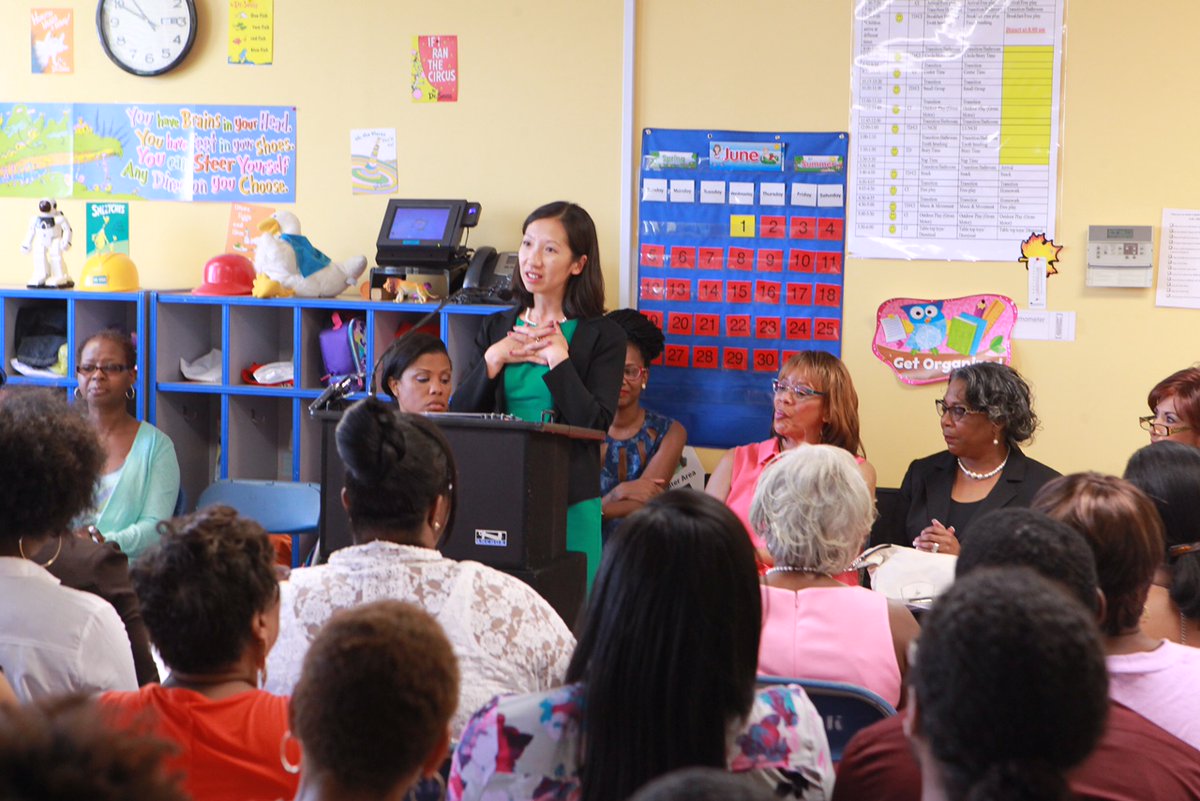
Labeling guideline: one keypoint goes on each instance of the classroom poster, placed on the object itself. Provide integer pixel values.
(435, 69)
(740, 254)
(107, 228)
(116, 151)
(52, 40)
(244, 220)
(922, 340)
(373, 168)
(251, 32)
(954, 127)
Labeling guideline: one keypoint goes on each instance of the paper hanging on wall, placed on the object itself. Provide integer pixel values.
(244, 220)
(251, 32)
(52, 40)
(373, 161)
(923, 340)
(435, 69)
(107, 228)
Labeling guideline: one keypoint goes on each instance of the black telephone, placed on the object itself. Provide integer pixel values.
(489, 277)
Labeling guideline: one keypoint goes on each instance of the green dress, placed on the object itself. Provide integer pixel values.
(527, 396)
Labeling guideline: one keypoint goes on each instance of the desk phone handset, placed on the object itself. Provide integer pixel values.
(489, 276)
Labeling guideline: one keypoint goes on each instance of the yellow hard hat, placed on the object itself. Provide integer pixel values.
(109, 272)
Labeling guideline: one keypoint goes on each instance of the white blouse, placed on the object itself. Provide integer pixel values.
(508, 639)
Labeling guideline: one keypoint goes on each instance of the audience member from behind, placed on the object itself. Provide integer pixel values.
(1149, 675)
(813, 510)
(1169, 472)
(212, 607)
(815, 402)
(139, 485)
(1135, 759)
(1008, 691)
(63, 749)
(985, 416)
(415, 372)
(702, 784)
(52, 639)
(372, 709)
(641, 452)
(399, 495)
(1175, 408)
(663, 678)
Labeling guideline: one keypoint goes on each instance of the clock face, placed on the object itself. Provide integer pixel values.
(146, 37)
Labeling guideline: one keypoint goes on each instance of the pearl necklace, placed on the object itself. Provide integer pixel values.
(790, 569)
(983, 476)
(529, 320)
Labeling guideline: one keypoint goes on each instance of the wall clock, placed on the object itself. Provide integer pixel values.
(146, 37)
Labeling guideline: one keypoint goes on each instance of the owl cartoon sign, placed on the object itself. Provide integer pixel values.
(923, 340)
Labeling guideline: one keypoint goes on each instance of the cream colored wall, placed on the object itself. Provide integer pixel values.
(538, 120)
(1129, 149)
(539, 92)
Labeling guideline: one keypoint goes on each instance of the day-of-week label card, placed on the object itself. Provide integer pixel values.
(804, 194)
(712, 192)
(654, 189)
(830, 196)
(741, 194)
(772, 194)
(683, 191)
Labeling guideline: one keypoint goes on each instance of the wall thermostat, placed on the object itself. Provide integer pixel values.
(1120, 256)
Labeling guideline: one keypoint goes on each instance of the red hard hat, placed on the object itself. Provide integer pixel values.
(227, 274)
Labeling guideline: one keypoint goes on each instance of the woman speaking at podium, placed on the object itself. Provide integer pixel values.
(554, 357)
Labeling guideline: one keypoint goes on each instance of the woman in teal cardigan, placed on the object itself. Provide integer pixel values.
(140, 482)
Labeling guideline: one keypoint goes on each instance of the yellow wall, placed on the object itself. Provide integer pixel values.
(539, 119)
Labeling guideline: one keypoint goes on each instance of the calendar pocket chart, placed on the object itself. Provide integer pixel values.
(741, 249)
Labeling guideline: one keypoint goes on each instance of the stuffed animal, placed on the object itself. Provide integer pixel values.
(406, 291)
(287, 263)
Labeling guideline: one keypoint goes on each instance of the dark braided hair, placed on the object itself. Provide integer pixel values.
(397, 466)
(640, 332)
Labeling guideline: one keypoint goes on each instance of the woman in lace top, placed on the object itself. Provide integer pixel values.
(399, 495)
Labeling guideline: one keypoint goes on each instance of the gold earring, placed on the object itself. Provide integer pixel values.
(289, 766)
(48, 562)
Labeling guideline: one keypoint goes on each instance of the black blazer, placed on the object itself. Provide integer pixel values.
(585, 389)
(925, 492)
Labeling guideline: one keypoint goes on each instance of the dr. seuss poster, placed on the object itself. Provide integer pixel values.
(118, 151)
(251, 32)
(923, 340)
(435, 69)
(107, 228)
(52, 40)
(244, 220)
(373, 161)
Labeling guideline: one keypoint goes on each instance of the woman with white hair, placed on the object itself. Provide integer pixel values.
(814, 511)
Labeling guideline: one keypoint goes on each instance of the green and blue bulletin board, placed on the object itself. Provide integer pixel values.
(741, 248)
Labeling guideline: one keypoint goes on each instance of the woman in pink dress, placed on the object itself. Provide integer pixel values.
(813, 511)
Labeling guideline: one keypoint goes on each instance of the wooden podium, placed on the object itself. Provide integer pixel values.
(512, 501)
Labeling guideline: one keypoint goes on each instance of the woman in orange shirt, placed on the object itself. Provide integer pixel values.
(210, 598)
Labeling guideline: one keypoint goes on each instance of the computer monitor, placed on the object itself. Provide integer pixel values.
(424, 233)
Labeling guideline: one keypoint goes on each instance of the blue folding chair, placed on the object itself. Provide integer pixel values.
(281, 507)
(845, 708)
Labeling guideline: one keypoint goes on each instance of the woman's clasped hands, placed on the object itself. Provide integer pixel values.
(937, 538)
(537, 344)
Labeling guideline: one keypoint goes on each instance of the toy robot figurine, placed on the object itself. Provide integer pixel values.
(49, 235)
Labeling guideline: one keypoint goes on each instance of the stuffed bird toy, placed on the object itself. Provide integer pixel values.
(287, 264)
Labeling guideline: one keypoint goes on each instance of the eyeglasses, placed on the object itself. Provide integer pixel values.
(108, 369)
(634, 373)
(799, 391)
(1161, 429)
(957, 413)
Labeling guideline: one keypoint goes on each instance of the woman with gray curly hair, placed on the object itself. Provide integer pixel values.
(986, 415)
(813, 509)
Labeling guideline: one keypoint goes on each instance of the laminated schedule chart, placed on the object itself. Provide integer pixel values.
(1179, 259)
(954, 127)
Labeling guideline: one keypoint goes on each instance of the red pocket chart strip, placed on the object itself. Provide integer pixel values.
(741, 249)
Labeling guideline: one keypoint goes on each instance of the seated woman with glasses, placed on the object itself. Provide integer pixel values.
(642, 449)
(139, 485)
(985, 414)
(1175, 402)
(815, 402)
